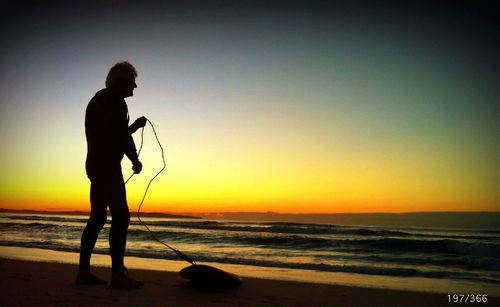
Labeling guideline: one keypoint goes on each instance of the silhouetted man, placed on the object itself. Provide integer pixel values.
(109, 138)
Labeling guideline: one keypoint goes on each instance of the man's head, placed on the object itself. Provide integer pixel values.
(121, 79)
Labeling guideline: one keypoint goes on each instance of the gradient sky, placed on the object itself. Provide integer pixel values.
(286, 107)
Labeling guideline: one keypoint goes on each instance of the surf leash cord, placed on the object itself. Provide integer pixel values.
(181, 255)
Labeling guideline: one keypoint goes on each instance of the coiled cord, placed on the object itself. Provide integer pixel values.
(181, 255)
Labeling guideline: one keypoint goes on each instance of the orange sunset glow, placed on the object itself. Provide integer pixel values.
(324, 116)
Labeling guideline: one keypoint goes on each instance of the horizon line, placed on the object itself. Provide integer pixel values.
(244, 212)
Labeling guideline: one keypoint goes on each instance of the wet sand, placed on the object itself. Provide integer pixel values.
(48, 283)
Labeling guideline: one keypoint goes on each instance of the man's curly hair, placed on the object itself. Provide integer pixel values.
(120, 71)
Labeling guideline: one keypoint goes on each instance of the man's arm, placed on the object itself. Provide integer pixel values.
(128, 141)
(130, 150)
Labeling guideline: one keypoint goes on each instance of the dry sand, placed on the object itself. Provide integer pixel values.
(43, 283)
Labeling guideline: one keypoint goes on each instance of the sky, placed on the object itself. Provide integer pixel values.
(293, 107)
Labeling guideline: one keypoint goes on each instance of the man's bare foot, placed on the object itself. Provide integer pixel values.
(87, 278)
(120, 280)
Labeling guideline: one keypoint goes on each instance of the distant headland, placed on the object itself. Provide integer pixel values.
(77, 212)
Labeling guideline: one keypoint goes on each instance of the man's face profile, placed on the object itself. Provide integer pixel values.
(127, 86)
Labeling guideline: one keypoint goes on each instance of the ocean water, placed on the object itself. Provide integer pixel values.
(433, 259)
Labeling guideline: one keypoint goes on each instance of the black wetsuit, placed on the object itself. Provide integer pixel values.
(108, 138)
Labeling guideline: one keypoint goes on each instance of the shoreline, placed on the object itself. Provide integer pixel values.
(49, 283)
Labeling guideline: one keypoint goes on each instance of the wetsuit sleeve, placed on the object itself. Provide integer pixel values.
(129, 145)
(130, 150)
(132, 128)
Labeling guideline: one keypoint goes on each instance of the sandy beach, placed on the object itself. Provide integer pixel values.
(46, 283)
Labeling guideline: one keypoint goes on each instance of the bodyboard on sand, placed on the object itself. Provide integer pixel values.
(209, 276)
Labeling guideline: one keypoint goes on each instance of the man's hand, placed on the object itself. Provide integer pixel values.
(140, 122)
(137, 168)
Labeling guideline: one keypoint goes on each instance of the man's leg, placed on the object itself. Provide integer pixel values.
(95, 223)
(118, 235)
(119, 224)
